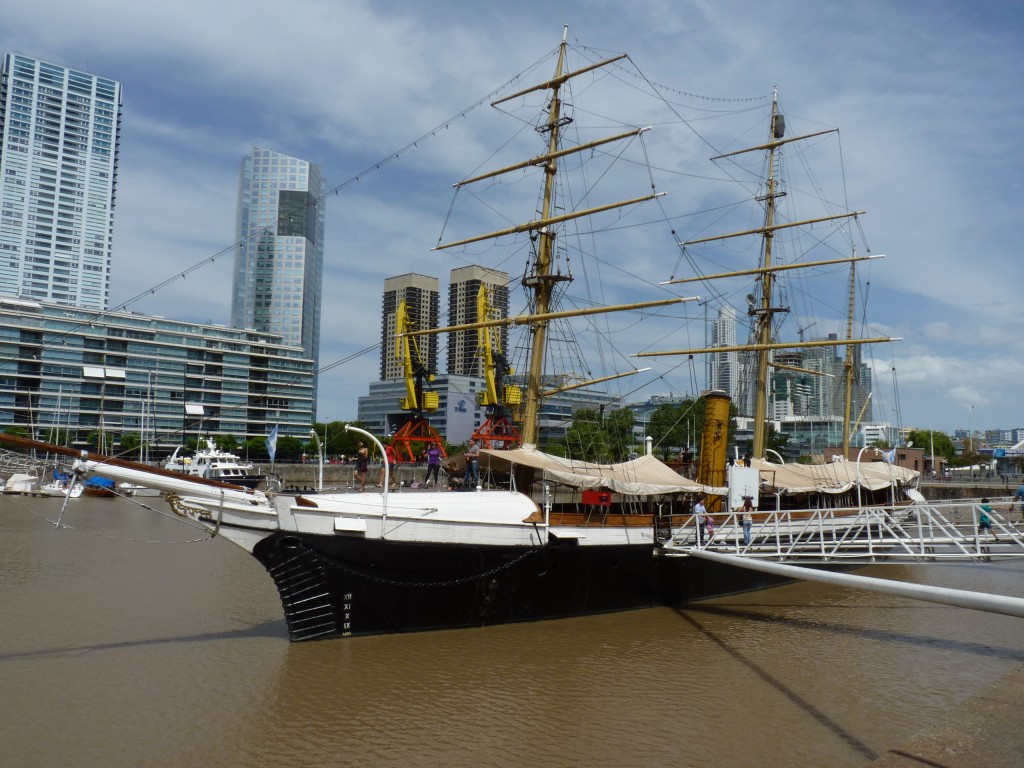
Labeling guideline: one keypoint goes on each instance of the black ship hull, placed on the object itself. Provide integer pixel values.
(341, 586)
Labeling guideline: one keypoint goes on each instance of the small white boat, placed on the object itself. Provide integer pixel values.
(62, 488)
(214, 464)
(22, 483)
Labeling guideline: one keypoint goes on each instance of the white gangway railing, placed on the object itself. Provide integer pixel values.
(946, 532)
(943, 531)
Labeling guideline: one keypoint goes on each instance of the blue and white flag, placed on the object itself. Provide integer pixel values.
(272, 443)
(890, 456)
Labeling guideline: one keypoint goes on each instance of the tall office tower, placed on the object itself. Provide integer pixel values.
(59, 133)
(723, 368)
(826, 390)
(422, 298)
(279, 261)
(463, 290)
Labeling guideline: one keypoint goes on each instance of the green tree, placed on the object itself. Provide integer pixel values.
(926, 438)
(288, 448)
(668, 427)
(226, 443)
(586, 439)
(256, 449)
(130, 442)
(618, 427)
(57, 436)
(93, 440)
(336, 439)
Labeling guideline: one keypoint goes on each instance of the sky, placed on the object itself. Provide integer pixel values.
(928, 99)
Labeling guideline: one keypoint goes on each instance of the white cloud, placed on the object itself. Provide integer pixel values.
(928, 103)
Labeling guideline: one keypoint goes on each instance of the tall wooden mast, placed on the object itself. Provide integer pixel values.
(541, 281)
(764, 314)
(848, 363)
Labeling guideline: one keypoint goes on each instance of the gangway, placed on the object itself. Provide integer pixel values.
(922, 533)
(929, 532)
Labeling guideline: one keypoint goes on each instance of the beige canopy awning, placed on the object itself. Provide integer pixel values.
(643, 476)
(837, 477)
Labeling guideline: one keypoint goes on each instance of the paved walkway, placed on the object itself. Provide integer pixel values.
(986, 730)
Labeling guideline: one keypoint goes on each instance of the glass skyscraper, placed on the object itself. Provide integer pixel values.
(59, 133)
(278, 272)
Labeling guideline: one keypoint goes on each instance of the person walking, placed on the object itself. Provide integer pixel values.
(702, 519)
(392, 464)
(362, 464)
(747, 518)
(433, 464)
(472, 476)
(985, 521)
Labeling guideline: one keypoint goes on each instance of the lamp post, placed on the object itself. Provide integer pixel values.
(320, 456)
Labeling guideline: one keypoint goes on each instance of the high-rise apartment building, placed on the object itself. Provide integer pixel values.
(723, 368)
(279, 258)
(463, 289)
(422, 298)
(59, 133)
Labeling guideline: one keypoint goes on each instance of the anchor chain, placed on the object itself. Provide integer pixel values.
(182, 509)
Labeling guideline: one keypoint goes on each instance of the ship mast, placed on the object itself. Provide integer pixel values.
(541, 281)
(764, 314)
(848, 364)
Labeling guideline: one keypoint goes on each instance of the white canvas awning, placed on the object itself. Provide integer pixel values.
(837, 477)
(643, 476)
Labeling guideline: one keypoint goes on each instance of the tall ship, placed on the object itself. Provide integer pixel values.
(540, 536)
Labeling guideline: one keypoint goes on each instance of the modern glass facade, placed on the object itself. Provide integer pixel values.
(278, 273)
(59, 135)
(164, 380)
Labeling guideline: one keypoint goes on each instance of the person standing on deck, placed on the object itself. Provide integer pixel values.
(747, 516)
(362, 464)
(472, 464)
(433, 463)
(702, 519)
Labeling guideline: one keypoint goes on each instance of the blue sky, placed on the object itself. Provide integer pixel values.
(928, 98)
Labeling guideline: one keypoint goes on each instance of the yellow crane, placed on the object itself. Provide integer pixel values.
(416, 435)
(501, 401)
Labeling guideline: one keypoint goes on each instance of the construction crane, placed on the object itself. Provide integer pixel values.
(500, 400)
(416, 434)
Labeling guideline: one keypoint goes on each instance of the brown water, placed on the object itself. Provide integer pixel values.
(122, 646)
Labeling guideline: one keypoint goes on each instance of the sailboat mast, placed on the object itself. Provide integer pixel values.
(541, 281)
(764, 315)
(848, 363)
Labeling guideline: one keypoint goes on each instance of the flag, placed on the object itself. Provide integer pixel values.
(272, 443)
(890, 456)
